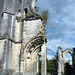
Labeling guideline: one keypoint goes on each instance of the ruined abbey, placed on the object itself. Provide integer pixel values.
(22, 37)
(61, 60)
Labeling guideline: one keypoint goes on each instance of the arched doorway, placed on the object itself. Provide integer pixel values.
(30, 56)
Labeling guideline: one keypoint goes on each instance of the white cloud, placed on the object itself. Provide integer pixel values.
(53, 44)
(50, 57)
(62, 21)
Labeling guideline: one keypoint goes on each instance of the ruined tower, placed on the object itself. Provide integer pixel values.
(22, 36)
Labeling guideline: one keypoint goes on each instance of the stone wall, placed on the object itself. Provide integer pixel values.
(31, 29)
(1, 10)
(20, 38)
(61, 59)
(11, 6)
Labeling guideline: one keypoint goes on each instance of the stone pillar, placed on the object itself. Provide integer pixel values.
(37, 63)
(63, 62)
(73, 60)
(43, 60)
(4, 24)
(59, 61)
(15, 59)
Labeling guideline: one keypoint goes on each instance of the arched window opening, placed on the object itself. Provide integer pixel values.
(69, 58)
(19, 11)
(39, 71)
(40, 52)
(68, 65)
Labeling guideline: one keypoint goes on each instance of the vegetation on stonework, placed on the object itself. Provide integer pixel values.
(18, 18)
(63, 74)
(29, 14)
(45, 15)
(37, 74)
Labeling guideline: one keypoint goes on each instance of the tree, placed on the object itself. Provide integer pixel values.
(51, 65)
(68, 69)
(45, 15)
(39, 67)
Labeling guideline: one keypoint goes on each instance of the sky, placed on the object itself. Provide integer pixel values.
(60, 28)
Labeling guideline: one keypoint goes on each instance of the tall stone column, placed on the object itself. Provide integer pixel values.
(73, 60)
(37, 63)
(59, 61)
(63, 62)
(43, 60)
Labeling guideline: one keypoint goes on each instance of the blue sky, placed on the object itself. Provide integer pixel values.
(60, 29)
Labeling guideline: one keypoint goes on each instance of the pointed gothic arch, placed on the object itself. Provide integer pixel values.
(61, 59)
(68, 51)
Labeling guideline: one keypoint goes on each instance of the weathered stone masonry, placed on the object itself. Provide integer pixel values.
(22, 37)
(61, 59)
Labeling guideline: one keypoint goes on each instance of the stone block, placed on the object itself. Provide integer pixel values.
(29, 74)
(32, 28)
(2, 43)
(8, 72)
(18, 74)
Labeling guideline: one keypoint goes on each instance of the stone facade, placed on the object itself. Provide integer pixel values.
(22, 37)
(61, 59)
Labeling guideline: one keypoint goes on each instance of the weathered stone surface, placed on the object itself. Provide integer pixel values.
(20, 38)
(15, 56)
(18, 31)
(11, 6)
(1, 10)
(31, 29)
(1, 48)
(18, 74)
(29, 74)
(43, 60)
(61, 59)
(8, 72)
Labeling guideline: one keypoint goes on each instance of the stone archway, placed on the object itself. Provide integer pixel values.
(29, 56)
(68, 51)
(65, 52)
(61, 59)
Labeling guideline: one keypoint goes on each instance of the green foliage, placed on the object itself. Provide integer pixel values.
(37, 74)
(29, 14)
(51, 65)
(18, 18)
(39, 67)
(45, 15)
(63, 74)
